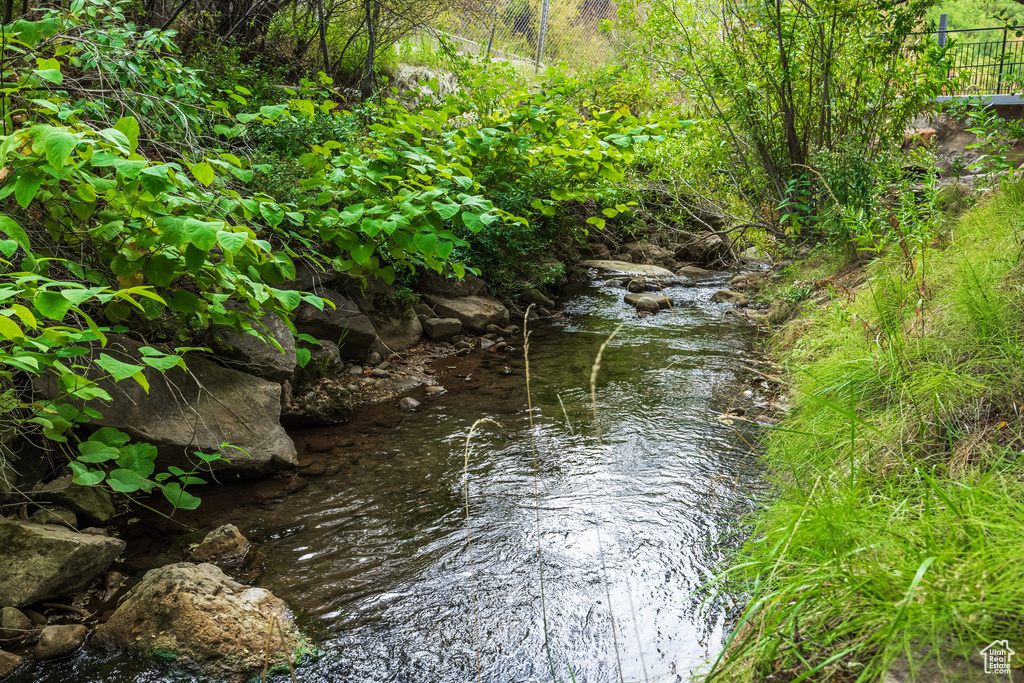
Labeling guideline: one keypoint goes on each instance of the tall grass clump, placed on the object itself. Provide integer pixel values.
(894, 534)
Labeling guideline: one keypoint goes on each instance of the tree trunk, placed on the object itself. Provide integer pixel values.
(8, 11)
(323, 35)
(370, 71)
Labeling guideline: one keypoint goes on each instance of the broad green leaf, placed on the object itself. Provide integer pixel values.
(202, 234)
(59, 145)
(289, 298)
(51, 75)
(110, 436)
(362, 253)
(118, 370)
(83, 476)
(163, 363)
(10, 329)
(446, 211)
(124, 481)
(130, 127)
(9, 227)
(96, 451)
(273, 112)
(426, 242)
(51, 304)
(231, 242)
(273, 213)
(302, 356)
(203, 172)
(26, 187)
(179, 498)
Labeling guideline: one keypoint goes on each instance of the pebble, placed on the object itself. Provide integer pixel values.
(457, 339)
(374, 358)
(352, 388)
(435, 390)
(544, 312)
(368, 381)
(355, 370)
(380, 374)
(463, 346)
(512, 330)
(8, 663)
(384, 366)
(463, 352)
(491, 336)
(499, 347)
(429, 371)
(408, 403)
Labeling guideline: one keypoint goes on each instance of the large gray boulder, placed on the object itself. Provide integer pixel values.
(249, 353)
(400, 332)
(439, 329)
(196, 410)
(88, 501)
(624, 268)
(729, 297)
(343, 324)
(436, 284)
(474, 312)
(201, 617)
(38, 561)
(648, 252)
(704, 247)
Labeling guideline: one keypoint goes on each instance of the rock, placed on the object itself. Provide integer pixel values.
(93, 531)
(727, 297)
(544, 312)
(536, 297)
(8, 663)
(696, 273)
(400, 332)
(44, 561)
(14, 623)
(203, 617)
(352, 388)
(636, 285)
(463, 345)
(596, 251)
(456, 339)
(450, 287)
(660, 300)
(749, 282)
(248, 353)
(499, 347)
(199, 410)
(59, 640)
(325, 402)
(705, 247)
(324, 361)
(439, 329)
(756, 257)
(380, 374)
(373, 358)
(55, 516)
(474, 312)
(345, 324)
(408, 403)
(463, 352)
(434, 390)
(512, 330)
(648, 252)
(625, 268)
(495, 330)
(423, 311)
(355, 370)
(90, 502)
(225, 547)
(648, 304)
(491, 336)
(37, 619)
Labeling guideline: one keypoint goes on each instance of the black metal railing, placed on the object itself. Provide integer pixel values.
(986, 61)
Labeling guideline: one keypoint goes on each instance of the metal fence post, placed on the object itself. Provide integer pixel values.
(1002, 57)
(543, 34)
(943, 23)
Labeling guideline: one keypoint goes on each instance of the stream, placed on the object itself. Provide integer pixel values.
(373, 557)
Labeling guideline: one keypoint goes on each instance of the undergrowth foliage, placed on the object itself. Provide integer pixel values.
(895, 534)
(135, 199)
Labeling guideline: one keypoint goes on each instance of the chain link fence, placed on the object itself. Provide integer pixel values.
(538, 33)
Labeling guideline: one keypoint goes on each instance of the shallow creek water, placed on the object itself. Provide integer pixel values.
(373, 554)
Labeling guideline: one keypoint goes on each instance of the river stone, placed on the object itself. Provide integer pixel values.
(401, 332)
(208, 620)
(408, 403)
(225, 547)
(636, 285)
(439, 329)
(660, 300)
(248, 353)
(648, 252)
(43, 561)
(59, 640)
(199, 410)
(14, 623)
(727, 297)
(434, 283)
(647, 304)
(750, 282)
(345, 324)
(8, 663)
(55, 516)
(705, 247)
(696, 273)
(474, 312)
(323, 403)
(90, 502)
(536, 297)
(624, 268)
